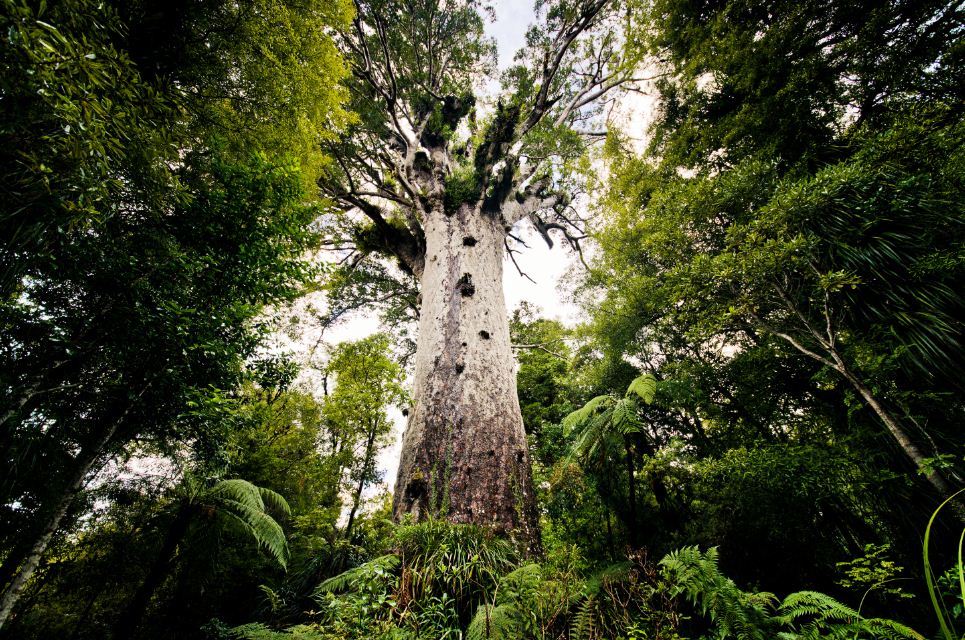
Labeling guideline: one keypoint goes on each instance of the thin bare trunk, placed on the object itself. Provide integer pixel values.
(835, 361)
(83, 465)
(130, 620)
(901, 437)
(357, 498)
(632, 495)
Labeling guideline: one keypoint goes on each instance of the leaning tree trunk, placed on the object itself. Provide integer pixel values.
(22, 573)
(464, 452)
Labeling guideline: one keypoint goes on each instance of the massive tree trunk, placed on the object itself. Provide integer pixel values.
(408, 163)
(464, 452)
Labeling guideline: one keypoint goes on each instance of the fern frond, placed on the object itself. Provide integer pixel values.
(519, 583)
(494, 623)
(579, 418)
(625, 417)
(824, 617)
(594, 583)
(274, 501)
(347, 579)
(731, 610)
(585, 621)
(266, 532)
(812, 603)
(644, 387)
(237, 490)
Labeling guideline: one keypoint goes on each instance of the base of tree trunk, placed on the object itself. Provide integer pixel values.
(465, 456)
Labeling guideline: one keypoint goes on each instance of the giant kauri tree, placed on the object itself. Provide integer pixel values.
(432, 180)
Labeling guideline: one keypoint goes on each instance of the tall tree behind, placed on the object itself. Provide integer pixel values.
(814, 210)
(367, 384)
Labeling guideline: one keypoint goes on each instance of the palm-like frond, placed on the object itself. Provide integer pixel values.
(244, 504)
(260, 526)
(274, 502)
(644, 387)
(581, 416)
(624, 418)
(347, 580)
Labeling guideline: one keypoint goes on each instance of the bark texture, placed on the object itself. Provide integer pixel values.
(464, 451)
(442, 204)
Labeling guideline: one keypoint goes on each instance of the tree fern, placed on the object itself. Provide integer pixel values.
(644, 387)
(244, 504)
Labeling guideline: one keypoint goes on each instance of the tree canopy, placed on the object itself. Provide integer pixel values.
(752, 431)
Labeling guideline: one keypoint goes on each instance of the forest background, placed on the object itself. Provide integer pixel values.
(764, 397)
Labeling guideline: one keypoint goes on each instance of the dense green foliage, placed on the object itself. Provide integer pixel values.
(765, 397)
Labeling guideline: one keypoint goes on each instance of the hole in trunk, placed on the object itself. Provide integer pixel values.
(465, 344)
(466, 286)
(484, 335)
(519, 456)
(416, 490)
(469, 241)
(460, 368)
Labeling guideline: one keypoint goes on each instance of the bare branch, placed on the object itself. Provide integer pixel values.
(540, 347)
(510, 252)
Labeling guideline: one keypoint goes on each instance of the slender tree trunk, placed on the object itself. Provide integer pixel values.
(609, 532)
(901, 437)
(464, 452)
(82, 620)
(632, 496)
(82, 466)
(357, 498)
(130, 620)
(834, 360)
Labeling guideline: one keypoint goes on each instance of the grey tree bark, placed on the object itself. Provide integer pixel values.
(464, 452)
(443, 203)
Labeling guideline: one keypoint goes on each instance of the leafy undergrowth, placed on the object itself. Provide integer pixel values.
(454, 582)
